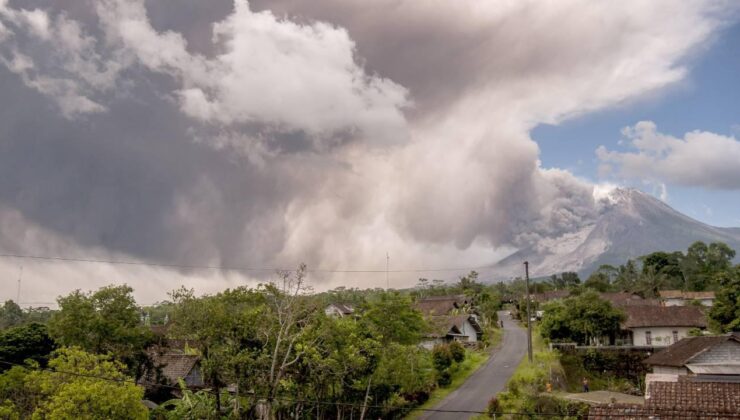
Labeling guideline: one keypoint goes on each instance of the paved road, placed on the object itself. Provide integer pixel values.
(489, 379)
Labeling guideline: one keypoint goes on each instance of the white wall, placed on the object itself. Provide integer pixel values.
(668, 370)
(662, 336)
(469, 332)
(683, 302)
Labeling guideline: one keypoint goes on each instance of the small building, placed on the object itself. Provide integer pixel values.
(170, 367)
(446, 328)
(443, 305)
(624, 299)
(339, 310)
(660, 326)
(707, 355)
(681, 298)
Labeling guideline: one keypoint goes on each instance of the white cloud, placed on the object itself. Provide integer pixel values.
(268, 71)
(699, 159)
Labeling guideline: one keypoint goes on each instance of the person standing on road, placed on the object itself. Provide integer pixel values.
(585, 384)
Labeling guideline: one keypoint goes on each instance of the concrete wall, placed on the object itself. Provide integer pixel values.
(661, 336)
(668, 370)
(684, 302)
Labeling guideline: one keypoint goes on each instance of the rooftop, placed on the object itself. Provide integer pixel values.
(680, 353)
(664, 316)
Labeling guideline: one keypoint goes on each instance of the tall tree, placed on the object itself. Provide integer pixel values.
(10, 314)
(26, 342)
(725, 313)
(104, 321)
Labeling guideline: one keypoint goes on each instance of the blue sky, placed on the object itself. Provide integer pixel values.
(708, 99)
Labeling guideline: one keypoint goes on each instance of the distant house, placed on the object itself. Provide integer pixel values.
(170, 367)
(446, 328)
(715, 355)
(550, 295)
(660, 326)
(442, 305)
(678, 397)
(339, 310)
(681, 298)
(624, 299)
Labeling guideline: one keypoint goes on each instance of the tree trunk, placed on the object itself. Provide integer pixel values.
(364, 402)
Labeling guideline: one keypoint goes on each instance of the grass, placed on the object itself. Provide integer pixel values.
(473, 361)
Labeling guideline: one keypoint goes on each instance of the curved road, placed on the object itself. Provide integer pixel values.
(490, 379)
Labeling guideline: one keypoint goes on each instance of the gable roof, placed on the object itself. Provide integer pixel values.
(622, 299)
(681, 352)
(442, 326)
(175, 366)
(440, 305)
(663, 316)
(343, 308)
(680, 294)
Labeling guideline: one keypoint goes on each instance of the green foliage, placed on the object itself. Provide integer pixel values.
(72, 388)
(392, 318)
(580, 319)
(442, 357)
(193, 405)
(457, 351)
(725, 313)
(10, 314)
(20, 343)
(104, 321)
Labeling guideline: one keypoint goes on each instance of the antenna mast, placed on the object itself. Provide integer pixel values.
(387, 266)
(18, 295)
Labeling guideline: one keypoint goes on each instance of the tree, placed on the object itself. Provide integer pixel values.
(581, 318)
(627, 277)
(598, 282)
(77, 385)
(74, 396)
(27, 342)
(725, 313)
(106, 321)
(10, 314)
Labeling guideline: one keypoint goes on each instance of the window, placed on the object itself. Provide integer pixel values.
(648, 338)
(675, 336)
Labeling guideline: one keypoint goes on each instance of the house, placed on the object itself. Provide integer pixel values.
(170, 367)
(624, 299)
(707, 355)
(660, 326)
(442, 305)
(678, 397)
(446, 328)
(681, 298)
(550, 295)
(339, 310)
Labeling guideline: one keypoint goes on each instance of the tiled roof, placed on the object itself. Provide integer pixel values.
(442, 326)
(664, 316)
(680, 294)
(636, 412)
(622, 299)
(683, 351)
(687, 395)
(175, 366)
(440, 305)
(683, 399)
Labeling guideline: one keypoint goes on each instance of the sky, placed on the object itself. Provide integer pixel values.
(349, 135)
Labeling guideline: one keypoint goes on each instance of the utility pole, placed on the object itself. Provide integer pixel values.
(18, 295)
(387, 266)
(529, 316)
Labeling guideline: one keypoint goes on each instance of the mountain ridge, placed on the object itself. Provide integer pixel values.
(630, 224)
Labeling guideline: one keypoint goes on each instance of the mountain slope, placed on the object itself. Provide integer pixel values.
(631, 224)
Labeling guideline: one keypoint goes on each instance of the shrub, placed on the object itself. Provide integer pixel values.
(442, 357)
(457, 351)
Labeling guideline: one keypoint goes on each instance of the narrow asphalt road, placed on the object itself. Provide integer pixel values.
(490, 379)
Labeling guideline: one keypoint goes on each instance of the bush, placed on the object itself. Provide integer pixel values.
(444, 377)
(457, 351)
(442, 357)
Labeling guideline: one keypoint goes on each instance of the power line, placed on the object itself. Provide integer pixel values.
(227, 268)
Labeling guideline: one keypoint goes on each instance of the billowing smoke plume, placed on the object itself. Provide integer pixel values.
(333, 132)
